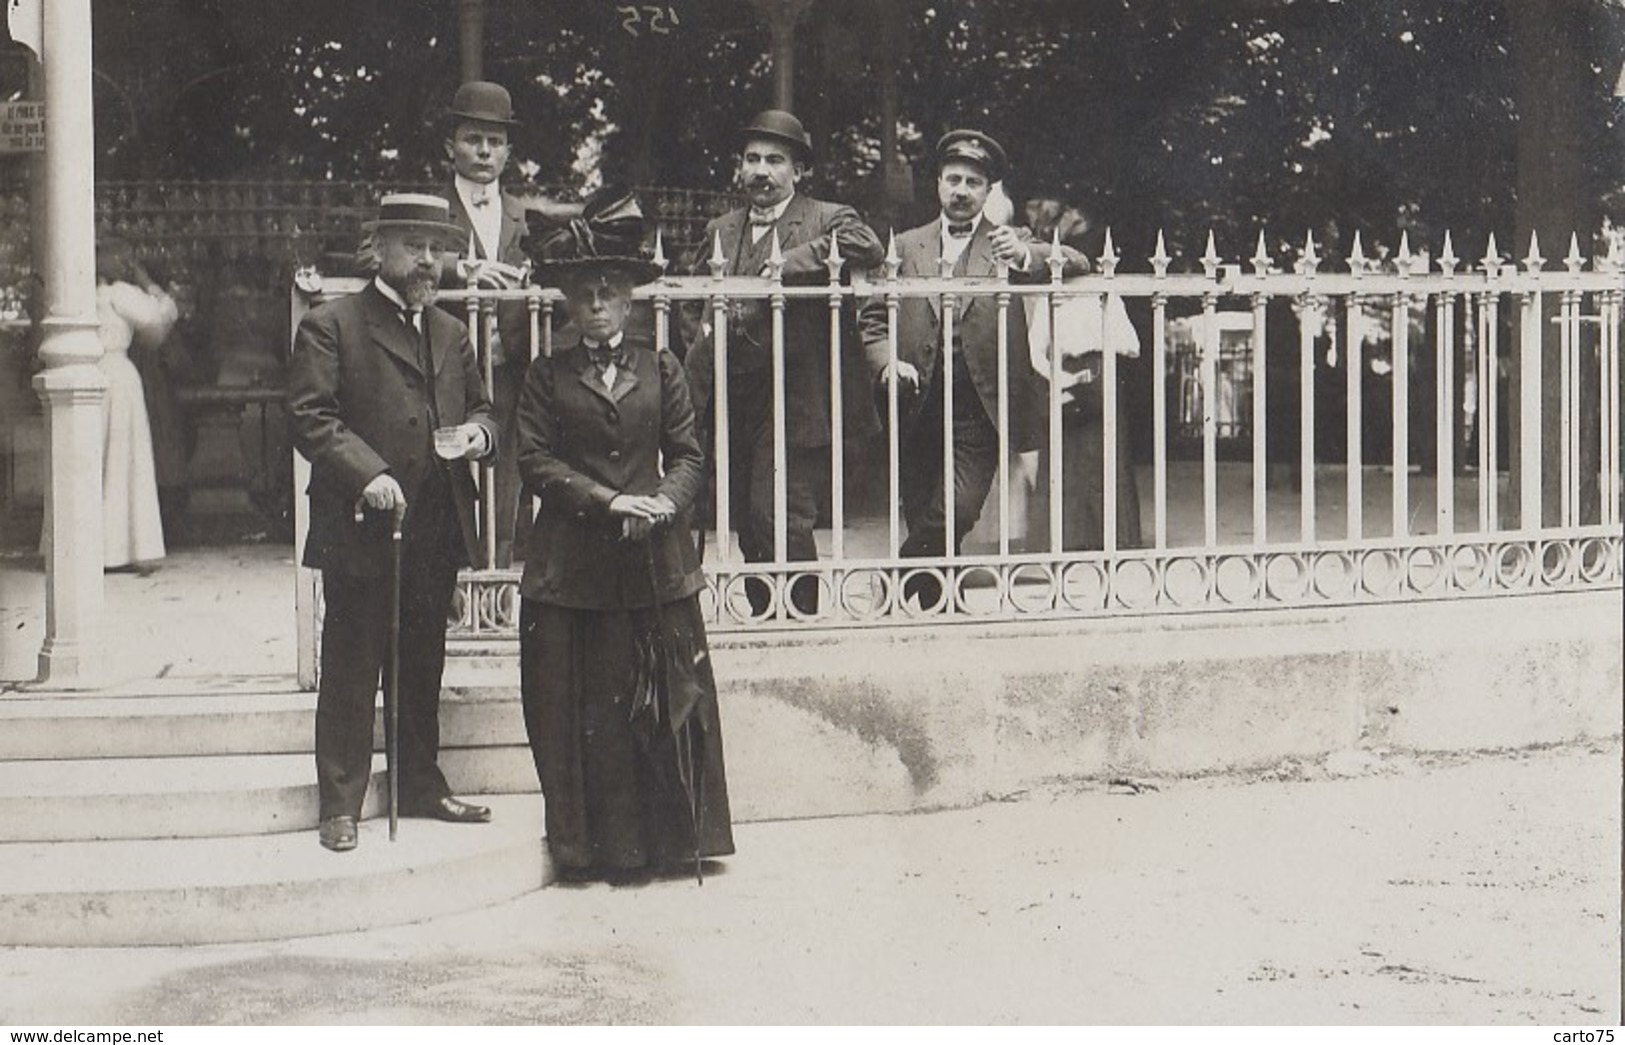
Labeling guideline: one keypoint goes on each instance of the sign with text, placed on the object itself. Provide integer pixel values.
(22, 127)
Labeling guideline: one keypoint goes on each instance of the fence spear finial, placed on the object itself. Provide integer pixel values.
(1309, 261)
(1056, 260)
(1533, 261)
(833, 261)
(1261, 256)
(718, 261)
(1403, 258)
(1210, 258)
(1447, 257)
(1108, 255)
(1492, 258)
(1357, 258)
(893, 260)
(659, 256)
(1160, 258)
(1574, 262)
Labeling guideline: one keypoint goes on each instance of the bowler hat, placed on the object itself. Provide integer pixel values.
(484, 101)
(779, 126)
(973, 147)
(606, 239)
(411, 210)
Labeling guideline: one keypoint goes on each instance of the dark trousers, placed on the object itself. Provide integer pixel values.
(975, 462)
(355, 636)
(750, 489)
(1083, 470)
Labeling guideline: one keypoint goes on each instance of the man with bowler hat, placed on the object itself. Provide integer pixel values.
(478, 127)
(968, 165)
(388, 405)
(775, 156)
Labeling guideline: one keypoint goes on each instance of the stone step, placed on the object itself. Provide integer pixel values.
(170, 724)
(200, 796)
(220, 890)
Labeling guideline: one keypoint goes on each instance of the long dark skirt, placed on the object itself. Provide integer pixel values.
(611, 804)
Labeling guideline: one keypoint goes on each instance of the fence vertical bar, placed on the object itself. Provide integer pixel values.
(837, 416)
(1444, 336)
(781, 461)
(1209, 379)
(1159, 398)
(1608, 349)
(1354, 423)
(718, 264)
(1260, 303)
(950, 304)
(1491, 351)
(1309, 314)
(1401, 337)
(894, 524)
(1002, 373)
(1108, 405)
(1530, 345)
(1057, 534)
(481, 323)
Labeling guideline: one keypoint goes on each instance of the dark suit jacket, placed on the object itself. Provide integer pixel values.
(919, 329)
(805, 231)
(513, 318)
(359, 407)
(579, 446)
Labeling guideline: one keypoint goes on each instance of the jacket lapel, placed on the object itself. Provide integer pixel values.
(977, 260)
(729, 228)
(513, 227)
(394, 336)
(626, 377)
(460, 217)
(923, 256)
(791, 221)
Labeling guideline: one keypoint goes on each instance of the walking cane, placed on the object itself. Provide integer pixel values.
(392, 671)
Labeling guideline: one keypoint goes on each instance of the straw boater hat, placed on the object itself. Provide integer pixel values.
(778, 125)
(484, 101)
(973, 147)
(606, 240)
(411, 210)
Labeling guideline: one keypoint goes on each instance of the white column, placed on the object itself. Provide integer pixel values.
(71, 386)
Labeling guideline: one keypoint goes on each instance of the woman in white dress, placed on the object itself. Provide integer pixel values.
(130, 308)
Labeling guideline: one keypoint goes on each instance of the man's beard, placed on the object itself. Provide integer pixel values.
(417, 288)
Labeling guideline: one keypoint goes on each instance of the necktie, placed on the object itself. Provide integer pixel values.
(960, 231)
(413, 318)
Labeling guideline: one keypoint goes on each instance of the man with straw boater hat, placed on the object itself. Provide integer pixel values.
(964, 240)
(775, 157)
(388, 405)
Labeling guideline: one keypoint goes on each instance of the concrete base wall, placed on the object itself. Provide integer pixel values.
(865, 722)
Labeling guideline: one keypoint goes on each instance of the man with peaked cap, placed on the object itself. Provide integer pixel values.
(968, 164)
(775, 155)
(388, 405)
(478, 128)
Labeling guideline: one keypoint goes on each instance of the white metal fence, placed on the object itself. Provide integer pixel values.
(1217, 535)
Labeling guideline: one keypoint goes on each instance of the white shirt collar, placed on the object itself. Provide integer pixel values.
(613, 342)
(778, 209)
(391, 293)
(486, 220)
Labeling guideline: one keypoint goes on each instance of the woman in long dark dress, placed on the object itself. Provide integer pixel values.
(619, 700)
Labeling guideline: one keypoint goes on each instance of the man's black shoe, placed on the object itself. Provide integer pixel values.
(338, 833)
(449, 809)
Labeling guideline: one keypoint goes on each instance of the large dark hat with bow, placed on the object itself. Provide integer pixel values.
(607, 238)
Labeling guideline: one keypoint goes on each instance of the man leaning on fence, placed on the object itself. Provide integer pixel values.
(962, 239)
(775, 155)
(388, 405)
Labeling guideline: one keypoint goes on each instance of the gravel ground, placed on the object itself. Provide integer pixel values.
(1366, 888)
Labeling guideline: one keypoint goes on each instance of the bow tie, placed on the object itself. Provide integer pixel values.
(962, 230)
(480, 199)
(603, 355)
(762, 218)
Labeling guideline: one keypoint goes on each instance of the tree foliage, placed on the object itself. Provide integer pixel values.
(1281, 115)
